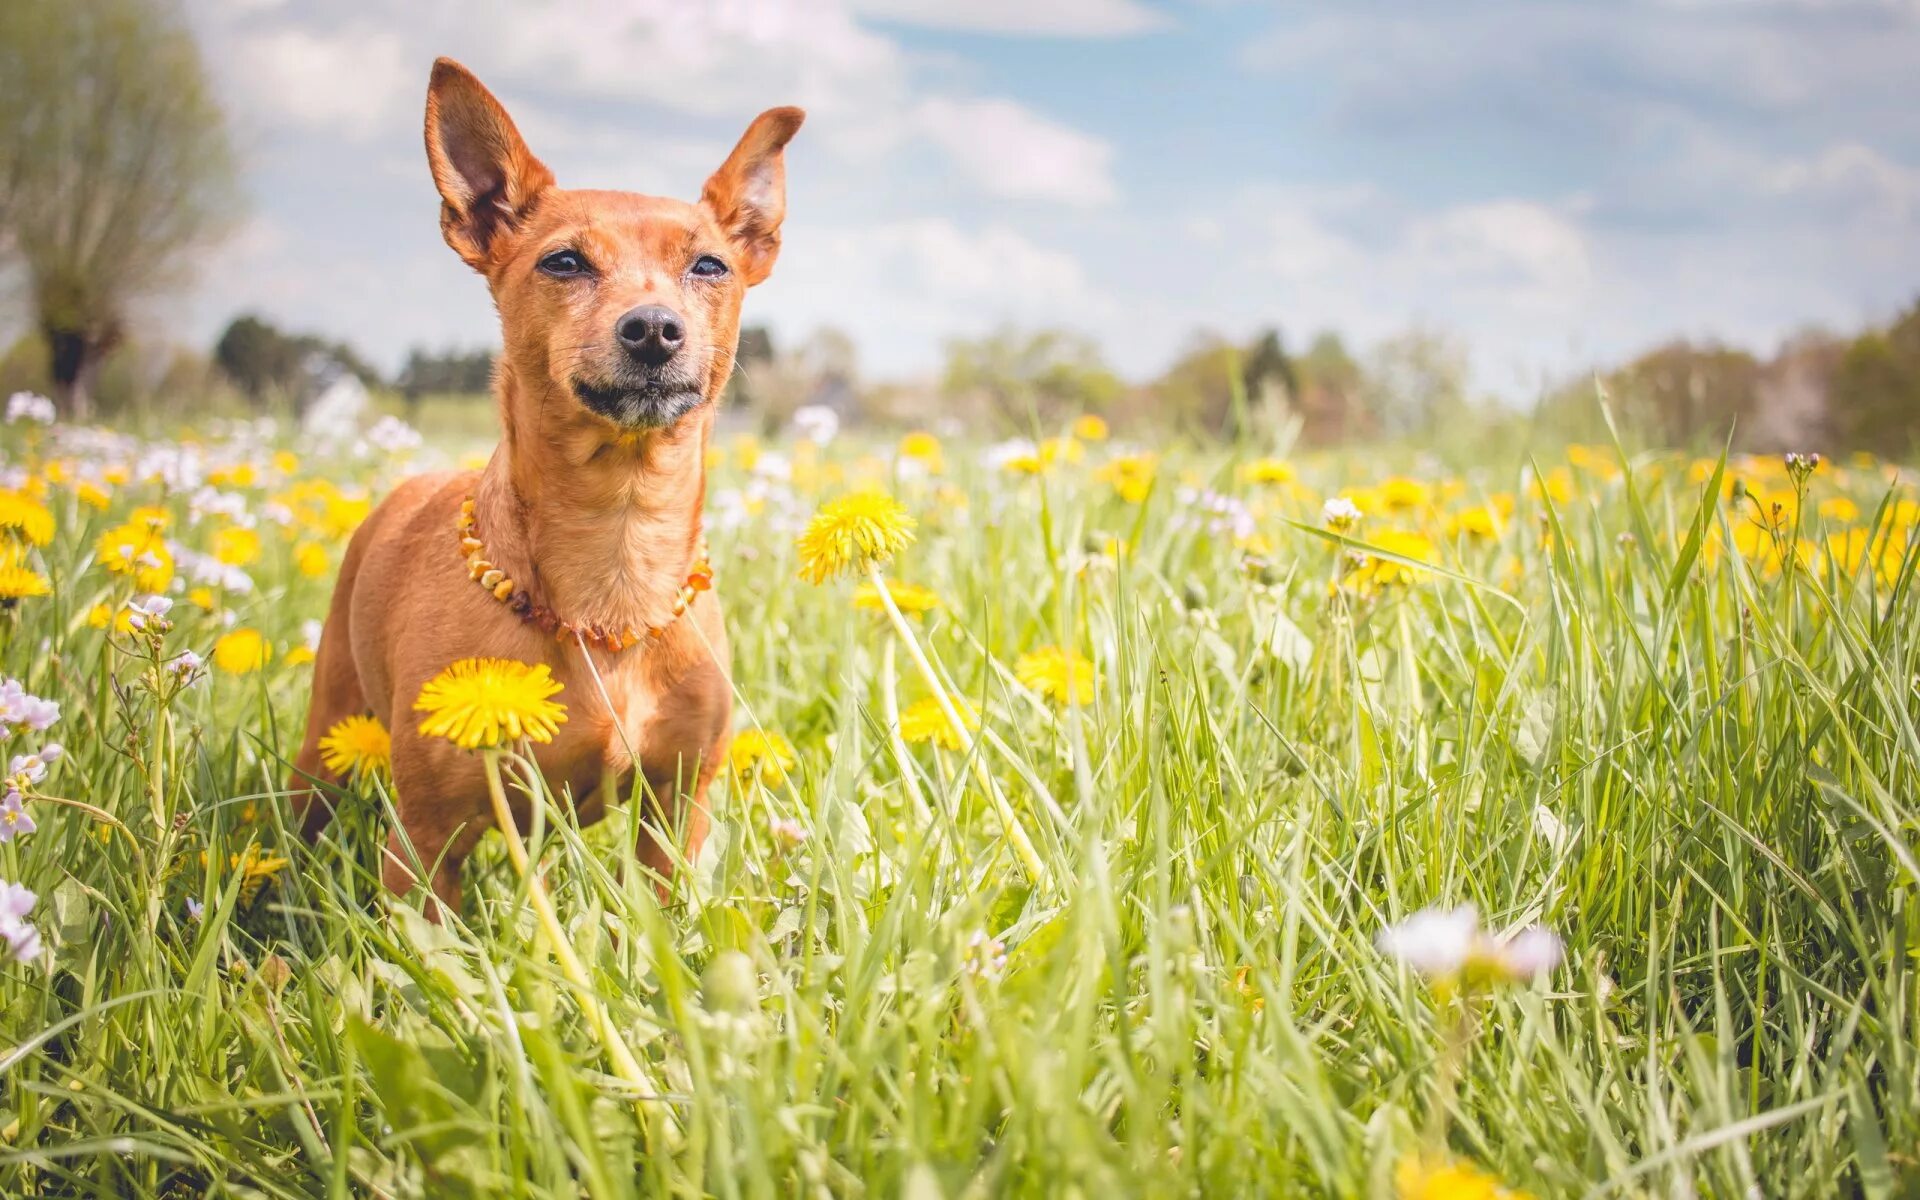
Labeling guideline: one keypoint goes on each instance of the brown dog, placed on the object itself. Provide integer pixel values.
(619, 316)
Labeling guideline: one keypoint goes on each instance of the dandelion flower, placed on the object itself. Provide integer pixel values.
(866, 526)
(1269, 471)
(1130, 475)
(1090, 428)
(241, 652)
(236, 546)
(138, 548)
(923, 721)
(1061, 676)
(910, 598)
(359, 745)
(19, 583)
(478, 703)
(762, 755)
(1378, 572)
(25, 515)
(1418, 1178)
(257, 869)
(311, 559)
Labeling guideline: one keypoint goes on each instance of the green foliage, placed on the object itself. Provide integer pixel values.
(1876, 391)
(115, 168)
(1612, 711)
(1016, 376)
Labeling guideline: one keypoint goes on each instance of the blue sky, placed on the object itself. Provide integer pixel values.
(1555, 184)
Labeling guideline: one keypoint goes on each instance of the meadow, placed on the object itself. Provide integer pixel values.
(1174, 909)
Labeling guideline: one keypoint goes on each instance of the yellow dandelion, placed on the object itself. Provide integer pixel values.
(1061, 676)
(18, 583)
(1477, 522)
(92, 495)
(1839, 509)
(922, 447)
(481, 702)
(286, 462)
(203, 597)
(236, 546)
(1418, 1178)
(1401, 494)
(300, 656)
(1268, 470)
(761, 755)
(358, 746)
(311, 559)
(30, 518)
(1090, 428)
(848, 533)
(242, 651)
(911, 599)
(257, 869)
(1130, 475)
(923, 721)
(1378, 572)
(138, 548)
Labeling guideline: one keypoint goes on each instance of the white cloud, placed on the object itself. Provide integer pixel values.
(902, 288)
(1061, 18)
(354, 82)
(1009, 150)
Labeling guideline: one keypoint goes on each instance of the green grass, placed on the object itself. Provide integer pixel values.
(1700, 770)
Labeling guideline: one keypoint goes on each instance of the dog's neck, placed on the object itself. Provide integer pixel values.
(601, 528)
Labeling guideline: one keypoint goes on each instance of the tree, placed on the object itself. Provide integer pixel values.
(1875, 402)
(262, 360)
(1416, 383)
(1329, 393)
(1049, 373)
(115, 167)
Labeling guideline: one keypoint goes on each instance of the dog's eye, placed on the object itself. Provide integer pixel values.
(708, 267)
(564, 264)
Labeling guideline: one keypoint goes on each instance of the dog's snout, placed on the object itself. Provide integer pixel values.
(652, 333)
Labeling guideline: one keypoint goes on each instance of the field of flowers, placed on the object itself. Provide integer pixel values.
(1200, 824)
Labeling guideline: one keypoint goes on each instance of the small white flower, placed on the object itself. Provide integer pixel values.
(31, 406)
(188, 666)
(1340, 513)
(986, 957)
(817, 423)
(17, 934)
(788, 833)
(145, 610)
(394, 436)
(1445, 944)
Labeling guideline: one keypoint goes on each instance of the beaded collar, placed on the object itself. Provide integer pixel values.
(507, 592)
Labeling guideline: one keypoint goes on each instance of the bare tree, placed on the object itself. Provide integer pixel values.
(115, 166)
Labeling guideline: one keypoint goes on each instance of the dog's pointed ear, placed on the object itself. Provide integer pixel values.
(748, 194)
(487, 177)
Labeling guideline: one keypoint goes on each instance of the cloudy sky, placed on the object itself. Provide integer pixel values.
(1557, 183)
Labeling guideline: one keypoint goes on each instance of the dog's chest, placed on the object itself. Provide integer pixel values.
(629, 715)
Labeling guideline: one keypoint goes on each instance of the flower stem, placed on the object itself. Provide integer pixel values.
(625, 1065)
(1015, 832)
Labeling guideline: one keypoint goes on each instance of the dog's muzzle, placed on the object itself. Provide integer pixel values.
(651, 405)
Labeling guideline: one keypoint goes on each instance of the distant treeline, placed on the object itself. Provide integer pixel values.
(1819, 391)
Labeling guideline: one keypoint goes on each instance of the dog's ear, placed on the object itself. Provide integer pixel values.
(487, 177)
(748, 194)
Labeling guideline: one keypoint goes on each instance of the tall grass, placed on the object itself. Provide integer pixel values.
(1617, 712)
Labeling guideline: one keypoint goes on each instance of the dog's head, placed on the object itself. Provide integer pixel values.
(629, 304)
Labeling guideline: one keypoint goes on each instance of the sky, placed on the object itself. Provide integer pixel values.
(1555, 184)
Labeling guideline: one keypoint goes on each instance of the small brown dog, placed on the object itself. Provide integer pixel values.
(579, 544)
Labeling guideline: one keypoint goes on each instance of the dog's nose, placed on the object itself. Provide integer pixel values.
(652, 333)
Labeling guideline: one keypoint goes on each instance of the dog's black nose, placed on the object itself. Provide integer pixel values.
(652, 333)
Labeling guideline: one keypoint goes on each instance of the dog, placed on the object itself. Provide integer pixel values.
(579, 544)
